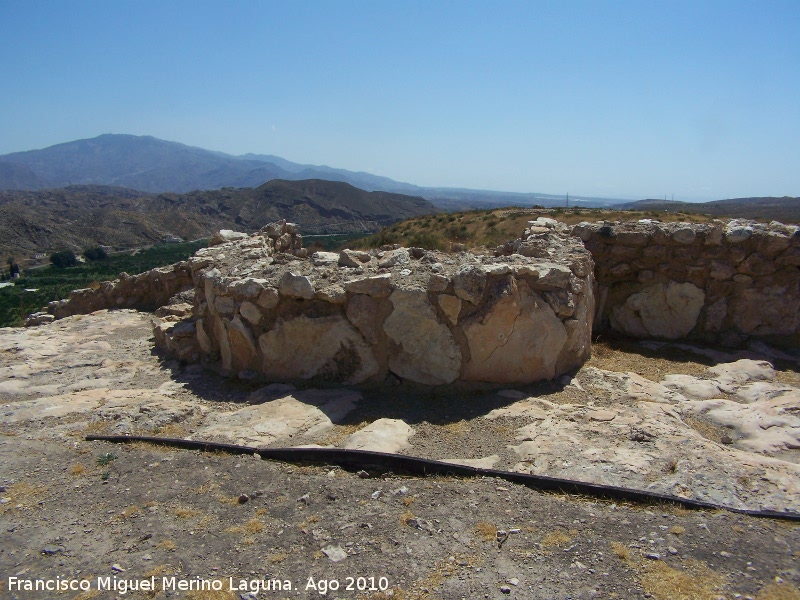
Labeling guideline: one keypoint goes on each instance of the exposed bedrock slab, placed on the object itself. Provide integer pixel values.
(383, 435)
(307, 413)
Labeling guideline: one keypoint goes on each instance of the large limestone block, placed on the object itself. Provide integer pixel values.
(469, 283)
(426, 351)
(308, 413)
(378, 286)
(327, 347)
(363, 312)
(518, 339)
(666, 311)
(244, 354)
(296, 286)
(767, 311)
(384, 435)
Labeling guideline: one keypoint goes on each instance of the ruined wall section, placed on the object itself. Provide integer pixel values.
(720, 282)
(145, 291)
(153, 289)
(360, 317)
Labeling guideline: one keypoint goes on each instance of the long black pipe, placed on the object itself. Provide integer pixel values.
(381, 462)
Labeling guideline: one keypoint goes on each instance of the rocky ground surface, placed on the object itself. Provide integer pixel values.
(684, 421)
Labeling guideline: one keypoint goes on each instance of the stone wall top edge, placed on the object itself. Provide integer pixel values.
(655, 226)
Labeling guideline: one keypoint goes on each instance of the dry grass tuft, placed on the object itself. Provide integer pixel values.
(187, 513)
(166, 545)
(24, 493)
(97, 428)
(211, 595)
(557, 538)
(252, 527)
(621, 551)
(160, 570)
(406, 517)
(779, 591)
(707, 429)
(77, 470)
(697, 582)
(340, 432)
(458, 428)
(677, 530)
(277, 558)
(487, 531)
(409, 500)
(170, 430)
(131, 511)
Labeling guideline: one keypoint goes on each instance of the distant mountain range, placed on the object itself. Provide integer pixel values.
(151, 165)
(785, 210)
(78, 217)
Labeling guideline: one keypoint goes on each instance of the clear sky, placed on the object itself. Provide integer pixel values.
(624, 99)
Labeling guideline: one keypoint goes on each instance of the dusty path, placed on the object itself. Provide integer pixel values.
(79, 510)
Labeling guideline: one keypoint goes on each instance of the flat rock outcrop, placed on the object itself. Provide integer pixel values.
(265, 309)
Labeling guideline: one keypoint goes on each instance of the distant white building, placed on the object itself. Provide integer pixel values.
(172, 239)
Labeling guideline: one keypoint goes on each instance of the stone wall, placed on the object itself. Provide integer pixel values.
(145, 291)
(362, 317)
(721, 282)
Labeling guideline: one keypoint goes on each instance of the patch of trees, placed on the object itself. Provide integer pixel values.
(63, 259)
(95, 253)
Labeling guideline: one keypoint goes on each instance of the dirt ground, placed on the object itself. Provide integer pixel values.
(116, 517)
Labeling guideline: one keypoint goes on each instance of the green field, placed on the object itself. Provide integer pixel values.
(53, 283)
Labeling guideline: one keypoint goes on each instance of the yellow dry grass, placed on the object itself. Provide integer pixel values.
(487, 531)
(277, 558)
(131, 511)
(24, 493)
(77, 470)
(211, 595)
(556, 538)
(621, 551)
(406, 517)
(677, 530)
(695, 582)
(167, 545)
(252, 527)
(779, 591)
(171, 430)
(340, 432)
(187, 513)
(457, 428)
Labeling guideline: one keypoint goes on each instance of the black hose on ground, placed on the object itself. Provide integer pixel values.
(381, 462)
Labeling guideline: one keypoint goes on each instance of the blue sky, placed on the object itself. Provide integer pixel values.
(624, 99)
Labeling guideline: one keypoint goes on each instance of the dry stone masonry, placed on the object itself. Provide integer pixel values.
(258, 306)
(145, 291)
(719, 282)
(264, 309)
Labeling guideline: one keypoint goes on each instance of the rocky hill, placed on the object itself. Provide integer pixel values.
(78, 217)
